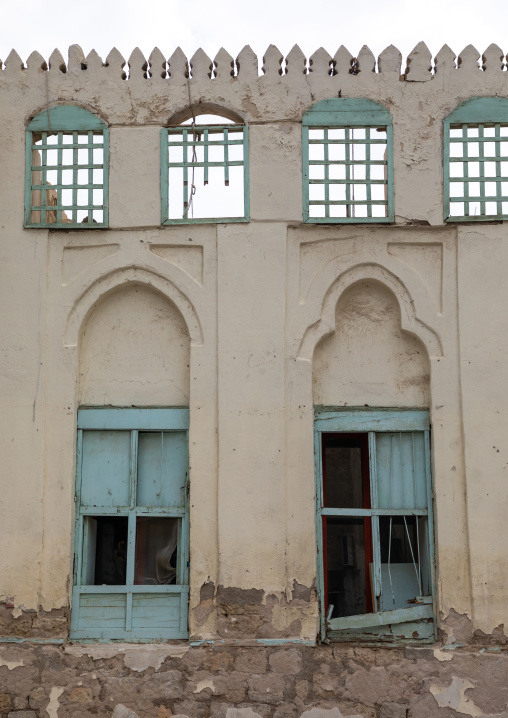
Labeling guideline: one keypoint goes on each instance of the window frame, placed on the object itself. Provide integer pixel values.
(369, 627)
(66, 119)
(473, 112)
(134, 421)
(165, 165)
(353, 113)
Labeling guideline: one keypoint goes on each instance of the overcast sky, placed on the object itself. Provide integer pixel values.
(101, 24)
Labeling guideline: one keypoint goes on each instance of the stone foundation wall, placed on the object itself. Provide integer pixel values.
(125, 681)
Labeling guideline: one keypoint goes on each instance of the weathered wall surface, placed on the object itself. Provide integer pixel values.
(250, 325)
(254, 682)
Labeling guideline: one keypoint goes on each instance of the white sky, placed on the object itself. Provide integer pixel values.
(28, 25)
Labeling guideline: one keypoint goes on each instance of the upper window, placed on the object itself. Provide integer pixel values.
(375, 531)
(66, 169)
(476, 160)
(131, 548)
(347, 162)
(205, 174)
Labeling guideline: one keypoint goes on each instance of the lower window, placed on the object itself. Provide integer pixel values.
(131, 556)
(374, 519)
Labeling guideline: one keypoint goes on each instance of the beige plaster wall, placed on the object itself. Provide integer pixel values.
(368, 359)
(242, 308)
(134, 350)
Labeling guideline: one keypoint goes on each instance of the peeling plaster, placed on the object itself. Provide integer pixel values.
(454, 697)
(442, 655)
(54, 703)
(137, 658)
(208, 683)
(323, 713)
(11, 664)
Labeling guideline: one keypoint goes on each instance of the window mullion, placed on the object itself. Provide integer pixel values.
(347, 147)
(376, 542)
(90, 177)
(185, 173)
(481, 154)
(58, 217)
(465, 166)
(327, 173)
(133, 469)
(497, 146)
(74, 177)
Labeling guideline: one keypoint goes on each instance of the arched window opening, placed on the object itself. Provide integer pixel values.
(205, 171)
(347, 162)
(66, 169)
(476, 161)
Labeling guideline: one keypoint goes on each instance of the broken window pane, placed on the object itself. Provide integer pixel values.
(348, 559)
(206, 171)
(156, 551)
(401, 569)
(344, 484)
(106, 547)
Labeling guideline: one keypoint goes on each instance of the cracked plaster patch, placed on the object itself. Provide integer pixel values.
(442, 655)
(11, 664)
(54, 703)
(454, 697)
(137, 658)
(324, 713)
(208, 683)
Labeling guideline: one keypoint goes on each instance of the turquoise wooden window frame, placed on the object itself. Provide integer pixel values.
(63, 122)
(158, 605)
(188, 140)
(350, 115)
(478, 128)
(415, 623)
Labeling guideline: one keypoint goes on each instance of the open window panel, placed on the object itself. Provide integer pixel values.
(205, 171)
(374, 531)
(131, 558)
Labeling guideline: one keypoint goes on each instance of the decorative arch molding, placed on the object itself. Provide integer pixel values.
(204, 108)
(363, 272)
(112, 281)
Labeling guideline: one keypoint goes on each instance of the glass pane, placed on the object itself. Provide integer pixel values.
(162, 468)
(401, 475)
(347, 569)
(105, 474)
(106, 543)
(344, 464)
(156, 551)
(402, 561)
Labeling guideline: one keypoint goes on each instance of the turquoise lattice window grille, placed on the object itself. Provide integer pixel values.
(67, 154)
(476, 161)
(205, 172)
(347, 162)
(132, 526)
(374, 524)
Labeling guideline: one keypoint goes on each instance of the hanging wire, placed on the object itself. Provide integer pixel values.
(389, 554)
(413, 557)
(195, 138)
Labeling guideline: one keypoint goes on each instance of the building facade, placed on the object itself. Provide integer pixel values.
(253, 372)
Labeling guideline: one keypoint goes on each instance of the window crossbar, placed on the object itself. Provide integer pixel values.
(364, 195)
(478, 153)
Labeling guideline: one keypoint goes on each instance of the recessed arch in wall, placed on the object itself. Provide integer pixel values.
(134, 350)
(326, 324)
(369, 359)
(85, 304)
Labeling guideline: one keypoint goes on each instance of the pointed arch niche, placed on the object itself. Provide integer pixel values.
(134, 349)
(370, 359)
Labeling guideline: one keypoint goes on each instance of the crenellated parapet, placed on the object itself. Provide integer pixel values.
(149, 90)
